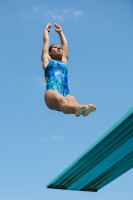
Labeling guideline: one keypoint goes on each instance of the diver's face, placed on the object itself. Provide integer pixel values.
(56, 50)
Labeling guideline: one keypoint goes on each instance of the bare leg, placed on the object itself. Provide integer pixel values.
(56, 101)
(89, 108)
(71, 99)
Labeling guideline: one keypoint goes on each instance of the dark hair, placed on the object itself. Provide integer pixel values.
(50, 47)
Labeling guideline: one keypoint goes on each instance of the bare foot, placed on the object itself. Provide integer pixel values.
(79, 110)
(89, 108)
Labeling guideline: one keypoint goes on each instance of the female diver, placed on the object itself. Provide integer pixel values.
(54, 59)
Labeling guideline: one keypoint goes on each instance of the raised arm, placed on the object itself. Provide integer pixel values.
(45, 50)
(64, 42)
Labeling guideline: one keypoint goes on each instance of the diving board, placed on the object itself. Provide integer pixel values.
(107, 159)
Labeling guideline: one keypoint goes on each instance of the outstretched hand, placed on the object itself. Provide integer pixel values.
(48, 27)
(57, 28)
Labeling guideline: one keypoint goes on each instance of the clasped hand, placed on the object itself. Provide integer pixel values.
(57, 27)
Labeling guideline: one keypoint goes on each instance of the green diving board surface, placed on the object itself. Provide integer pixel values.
(107, 159)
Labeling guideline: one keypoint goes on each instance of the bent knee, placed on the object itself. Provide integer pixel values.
(62, 100)
(71, 99)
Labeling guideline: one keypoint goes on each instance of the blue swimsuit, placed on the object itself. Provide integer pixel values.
(57, 73)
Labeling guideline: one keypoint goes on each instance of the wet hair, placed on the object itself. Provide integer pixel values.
(52, 46)
(48, 50)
